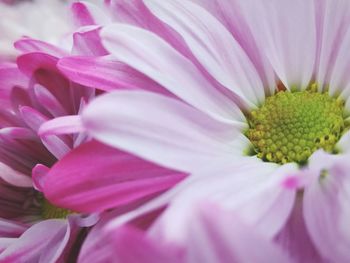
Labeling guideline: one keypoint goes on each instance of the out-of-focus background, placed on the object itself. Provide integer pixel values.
(47, 20)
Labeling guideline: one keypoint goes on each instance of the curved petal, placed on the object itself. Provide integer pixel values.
(14, 177)
(251, 189)
(149, 54)
(29, 45)
(229, 13)
(326, 206)
(105, 73)
(216, 235)
(114, 178)
(160, 129)
(213, 46)
(286, 32)
(334, 17)
(30, 246)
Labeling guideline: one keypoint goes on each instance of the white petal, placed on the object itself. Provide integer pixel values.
(161, 129)
(213, 46)
(149, 54)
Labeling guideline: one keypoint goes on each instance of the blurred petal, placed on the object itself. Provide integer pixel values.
(95, 177)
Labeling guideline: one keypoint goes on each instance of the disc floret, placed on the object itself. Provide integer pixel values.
(290, 126)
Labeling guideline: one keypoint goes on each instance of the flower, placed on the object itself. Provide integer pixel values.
(258, 114)
(33, 91)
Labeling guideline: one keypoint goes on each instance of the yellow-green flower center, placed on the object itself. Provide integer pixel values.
(49, 211)
(290, 126)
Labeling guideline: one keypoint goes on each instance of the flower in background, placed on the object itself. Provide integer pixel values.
(34, 91)
(41, 19)
(258, 113)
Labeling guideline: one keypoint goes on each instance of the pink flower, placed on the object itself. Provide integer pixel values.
(258, 115)
(34, 91)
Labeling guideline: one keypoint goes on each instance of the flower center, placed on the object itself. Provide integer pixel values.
(49, 211)
(290, 126)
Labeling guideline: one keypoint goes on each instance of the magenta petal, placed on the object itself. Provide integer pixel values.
(95, 177)
(105, 73)
(88, 43)
(29, 45)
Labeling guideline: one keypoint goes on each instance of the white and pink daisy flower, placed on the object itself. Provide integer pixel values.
(258, 113)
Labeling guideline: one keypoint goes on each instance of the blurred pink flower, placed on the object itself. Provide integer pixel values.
(34, 91)
(222, 61)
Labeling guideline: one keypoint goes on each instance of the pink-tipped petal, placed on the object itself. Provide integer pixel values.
(160, 129)
(85, 13)
(95, 177)
(213, 46)
(151, 55)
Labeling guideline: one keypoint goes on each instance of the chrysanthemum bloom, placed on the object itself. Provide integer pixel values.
(34, 91)
(212, 236)
(261, 122)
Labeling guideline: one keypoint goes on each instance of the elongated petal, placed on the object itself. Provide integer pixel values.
(28, 45)
(114, 178)
(213, 46)
(62, 125)
(105, 73)
(219, 236)
(154, 57)
(30, 246)
(333, 31)
(14, 177)
(229, 13)
(246, 187)
(286, 33)
(159, 128)
(326, 206)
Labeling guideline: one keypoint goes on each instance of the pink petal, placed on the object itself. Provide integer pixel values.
(88, 43)
(85, 13)
(61, 125)
(105, 73)
(286, 32)
(30, 246)
(29, 45)
(127, 245)
(218, 236)
(160, 129)
(326, 206)
(295, 239)
(229, 13)
(114, 178)
(251, 189)
(14, 177)
(151, 55)
(213, 46)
